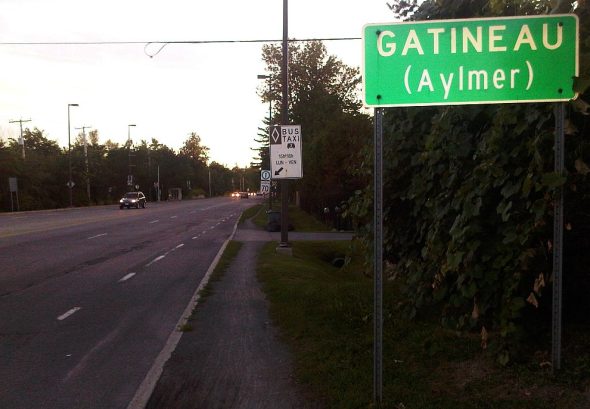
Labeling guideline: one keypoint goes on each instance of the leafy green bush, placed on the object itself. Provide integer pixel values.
(468, 205)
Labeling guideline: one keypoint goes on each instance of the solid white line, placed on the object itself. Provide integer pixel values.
(148, 384)
(154, 221)
(127, 277)
(98, 235)
(68, 313)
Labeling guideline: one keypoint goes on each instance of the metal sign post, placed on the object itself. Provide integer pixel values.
(378, 255)
(558, 239)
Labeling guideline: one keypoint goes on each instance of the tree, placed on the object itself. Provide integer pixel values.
(323, 98)
(194, 149)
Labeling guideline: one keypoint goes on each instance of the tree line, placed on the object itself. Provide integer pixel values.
(43, 173)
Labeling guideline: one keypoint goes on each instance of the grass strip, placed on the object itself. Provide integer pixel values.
(301, 220)
(325, 315)
(231, 251)
(250, 212)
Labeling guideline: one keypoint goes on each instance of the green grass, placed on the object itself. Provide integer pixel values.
(300, 220)
(325, 316)
(231, 250)
(250, 212)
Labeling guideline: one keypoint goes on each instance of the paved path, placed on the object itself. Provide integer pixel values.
(233, 357)
(248, 234)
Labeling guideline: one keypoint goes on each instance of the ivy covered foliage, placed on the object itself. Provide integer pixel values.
(468, 200)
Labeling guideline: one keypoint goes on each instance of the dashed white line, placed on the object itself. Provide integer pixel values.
(195, 237)
(155, 260)
(179, 246)
(68, 313)
(173, 217)
(98, 235)
(127, 277)
(154, 221)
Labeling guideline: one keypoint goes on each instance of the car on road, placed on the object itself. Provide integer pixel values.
(132, 199)
(243, 195)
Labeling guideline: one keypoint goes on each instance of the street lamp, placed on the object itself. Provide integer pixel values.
(268, 77)
(70, 182)
(130, 175)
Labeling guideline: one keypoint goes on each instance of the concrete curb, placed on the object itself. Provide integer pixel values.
(146, 388)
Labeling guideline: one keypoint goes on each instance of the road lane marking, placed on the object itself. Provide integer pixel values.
(195, 237)
(154, 221)
(173, 217)
(68, 313)
(179, 246)
(98, 235)
(127, 277)
(155, 260)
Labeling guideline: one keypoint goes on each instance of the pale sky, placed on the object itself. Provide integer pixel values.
(210, 89)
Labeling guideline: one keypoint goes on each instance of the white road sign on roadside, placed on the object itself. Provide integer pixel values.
(285, 152)
(265, 186)
(265, 174)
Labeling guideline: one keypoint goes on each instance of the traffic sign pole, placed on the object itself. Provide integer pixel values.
(378, 260)
(285, 120)
(558, 239)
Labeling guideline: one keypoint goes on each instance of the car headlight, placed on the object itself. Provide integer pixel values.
(121, 201)
(133, 200)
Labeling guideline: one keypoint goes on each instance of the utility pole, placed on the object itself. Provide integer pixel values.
(86, 160)
(285, 121)
(21, 140)
(130, 181)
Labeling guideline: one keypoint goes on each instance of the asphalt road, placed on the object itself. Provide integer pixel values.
(89, 296)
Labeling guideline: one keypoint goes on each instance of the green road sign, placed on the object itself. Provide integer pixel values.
(471, 61)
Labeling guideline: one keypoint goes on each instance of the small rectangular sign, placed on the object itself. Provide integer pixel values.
(12, 184)
(285, 152)
(471, 61)
(265, 186)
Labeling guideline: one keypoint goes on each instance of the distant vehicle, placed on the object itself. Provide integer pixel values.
(243, 195)
(132, 199)
(235, 194)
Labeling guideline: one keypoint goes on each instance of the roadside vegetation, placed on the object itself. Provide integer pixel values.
(299, 218)
(325, 315)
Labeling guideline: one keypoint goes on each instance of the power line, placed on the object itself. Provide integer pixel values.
(176, 41)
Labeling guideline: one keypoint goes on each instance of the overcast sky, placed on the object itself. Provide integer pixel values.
(209, 89)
